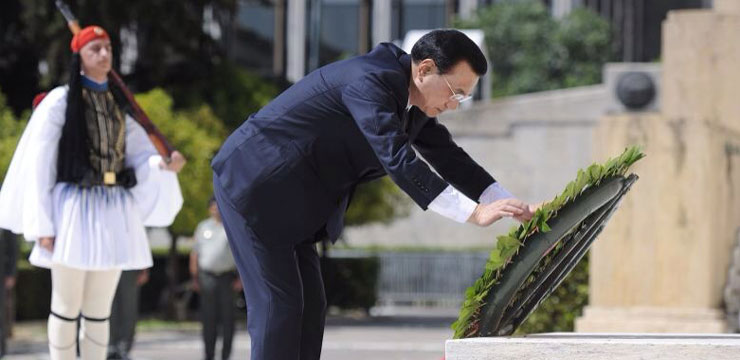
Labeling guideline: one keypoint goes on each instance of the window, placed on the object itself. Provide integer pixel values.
(254, 36)
(339, 30)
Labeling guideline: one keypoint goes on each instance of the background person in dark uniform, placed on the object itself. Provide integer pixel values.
(8, 259)
(125, 313)
(214, 277)
(284, 178)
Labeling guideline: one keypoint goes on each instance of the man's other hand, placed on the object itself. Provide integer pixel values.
(487, 214)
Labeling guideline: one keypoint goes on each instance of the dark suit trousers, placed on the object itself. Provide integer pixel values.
(283, 287)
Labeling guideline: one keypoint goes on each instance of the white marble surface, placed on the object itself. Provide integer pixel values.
(583, 346)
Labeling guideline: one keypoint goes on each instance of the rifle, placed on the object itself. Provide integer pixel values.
(155, 136)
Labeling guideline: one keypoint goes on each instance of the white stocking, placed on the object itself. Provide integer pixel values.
(94, 339)
(100, 288)
(62, 338)
(66, 299)
(77, 291)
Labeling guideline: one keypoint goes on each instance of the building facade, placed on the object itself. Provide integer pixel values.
(289, 38)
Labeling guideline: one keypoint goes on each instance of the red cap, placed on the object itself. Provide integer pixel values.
(86, 35)
(37, 99)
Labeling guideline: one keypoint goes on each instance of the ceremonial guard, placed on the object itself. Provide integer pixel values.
(83, 183)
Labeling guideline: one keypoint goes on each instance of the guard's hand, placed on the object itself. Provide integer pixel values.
(194, 285)
(177, 162)
(47, 242)
(9, 282)
(237, 285)
(143, 277)
(487, 214)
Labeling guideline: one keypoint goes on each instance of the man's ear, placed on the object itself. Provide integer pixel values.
(426, 67)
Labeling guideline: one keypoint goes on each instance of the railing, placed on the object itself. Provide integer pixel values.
(430, 279)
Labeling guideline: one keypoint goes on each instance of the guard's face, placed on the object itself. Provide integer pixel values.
(213, 211)
(441, 92)
(97, 57)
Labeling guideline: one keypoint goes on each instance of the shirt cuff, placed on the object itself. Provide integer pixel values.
(453, 204)
(493, 193)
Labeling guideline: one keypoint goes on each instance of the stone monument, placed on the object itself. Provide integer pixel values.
(661, 264)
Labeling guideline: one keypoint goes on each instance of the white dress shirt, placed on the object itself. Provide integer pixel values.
(453, 204)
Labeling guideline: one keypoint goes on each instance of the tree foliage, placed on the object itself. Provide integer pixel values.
(173, 51)
(10, 132)
(530, 51)
(234, 94)
(197, 134)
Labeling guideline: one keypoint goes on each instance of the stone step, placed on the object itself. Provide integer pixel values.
(583, 346)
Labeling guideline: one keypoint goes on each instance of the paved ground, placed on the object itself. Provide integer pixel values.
(386, 337)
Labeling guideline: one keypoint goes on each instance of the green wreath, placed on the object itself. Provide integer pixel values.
(533, 258)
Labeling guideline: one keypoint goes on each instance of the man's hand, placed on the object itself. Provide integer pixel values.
(530, 213)
(487, 214)
(177, 161)
(47, 242)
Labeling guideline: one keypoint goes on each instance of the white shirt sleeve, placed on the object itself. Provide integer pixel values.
(494, 192)
(454, 205)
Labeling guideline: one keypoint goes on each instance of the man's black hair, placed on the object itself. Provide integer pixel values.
(446, 48)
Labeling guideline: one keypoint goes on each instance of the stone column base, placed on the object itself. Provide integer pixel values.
(651, 320)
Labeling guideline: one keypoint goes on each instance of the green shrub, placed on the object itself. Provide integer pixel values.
(33, 293)
(351, 282)
(236, 93)
(231, 91)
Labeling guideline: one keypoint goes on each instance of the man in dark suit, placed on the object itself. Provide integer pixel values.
(284, 178)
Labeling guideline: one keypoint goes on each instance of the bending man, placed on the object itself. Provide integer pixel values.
(284, 178)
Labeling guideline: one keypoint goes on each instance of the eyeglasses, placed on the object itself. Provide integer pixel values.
(455, 96)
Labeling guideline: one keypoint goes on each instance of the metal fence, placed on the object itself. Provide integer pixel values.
(437, 279)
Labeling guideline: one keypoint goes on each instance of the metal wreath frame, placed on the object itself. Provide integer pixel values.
(546, 258)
